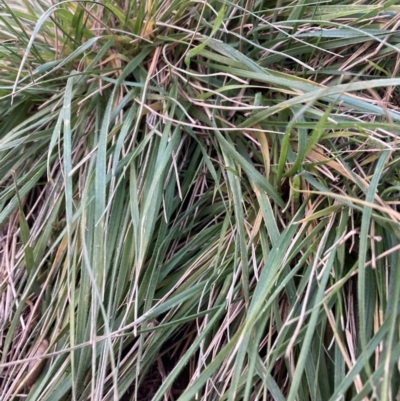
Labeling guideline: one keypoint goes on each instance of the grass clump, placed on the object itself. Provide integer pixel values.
(199, 200)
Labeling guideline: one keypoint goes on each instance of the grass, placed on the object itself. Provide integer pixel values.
(199, 200)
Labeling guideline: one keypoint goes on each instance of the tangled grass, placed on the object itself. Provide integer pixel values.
(199, 200)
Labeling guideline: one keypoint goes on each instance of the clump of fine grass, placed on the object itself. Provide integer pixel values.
(199, 200)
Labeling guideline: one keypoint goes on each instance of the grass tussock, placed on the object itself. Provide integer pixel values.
(199, 200)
